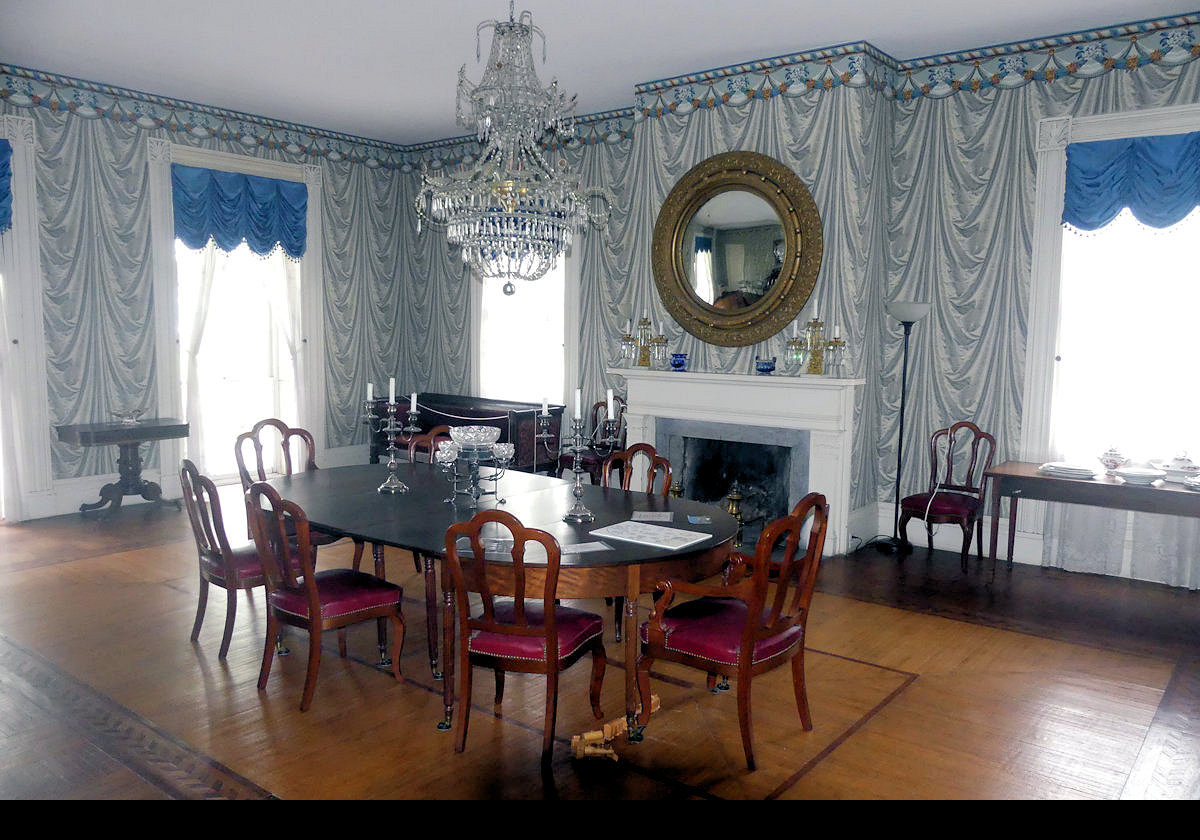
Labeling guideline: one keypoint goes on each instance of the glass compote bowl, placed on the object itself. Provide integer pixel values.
(474, 437)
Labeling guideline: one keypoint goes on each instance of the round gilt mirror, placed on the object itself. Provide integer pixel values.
(737, 248)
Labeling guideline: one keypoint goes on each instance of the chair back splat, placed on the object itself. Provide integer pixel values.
(298, 453)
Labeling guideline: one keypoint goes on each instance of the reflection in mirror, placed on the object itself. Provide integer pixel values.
(733, 249)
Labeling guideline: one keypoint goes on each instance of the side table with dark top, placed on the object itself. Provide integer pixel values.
(128, 437)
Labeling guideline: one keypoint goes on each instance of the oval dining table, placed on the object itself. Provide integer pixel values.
(345, 501)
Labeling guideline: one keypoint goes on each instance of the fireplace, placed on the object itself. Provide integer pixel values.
(812, 417)
(769, 466)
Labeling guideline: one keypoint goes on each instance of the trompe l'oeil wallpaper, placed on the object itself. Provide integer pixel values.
(924, 174)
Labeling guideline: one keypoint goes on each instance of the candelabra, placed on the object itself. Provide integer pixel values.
(645, 334)
(547, 439)
(608, 436)
(835, 357)
(461, 465)
(388, 426)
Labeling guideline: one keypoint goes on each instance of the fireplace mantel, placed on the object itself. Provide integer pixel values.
(821, 406)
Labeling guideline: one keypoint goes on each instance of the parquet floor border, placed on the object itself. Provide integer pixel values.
(156, 756)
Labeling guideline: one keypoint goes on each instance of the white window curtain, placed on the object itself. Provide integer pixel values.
(1124, 379)
(239, 315)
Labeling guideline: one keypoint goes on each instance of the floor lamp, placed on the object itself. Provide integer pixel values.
(907, 313)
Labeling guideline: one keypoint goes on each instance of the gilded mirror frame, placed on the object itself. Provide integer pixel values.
(783, 190)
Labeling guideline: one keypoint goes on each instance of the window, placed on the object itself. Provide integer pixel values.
(1128, 297)
(522, 339)
(235, 317)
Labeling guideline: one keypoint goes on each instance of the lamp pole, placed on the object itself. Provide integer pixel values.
(908, 325)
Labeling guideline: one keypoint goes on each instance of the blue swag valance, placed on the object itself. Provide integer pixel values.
(5, 185)
(1157, 178)
(230, 207)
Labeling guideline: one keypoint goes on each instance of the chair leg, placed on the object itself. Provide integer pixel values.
(551, 717)
(929, 535)
(358, 554)
(314, 665)
(966, 547)
(269, 649)
(341, 634)
(743, 698)
(230, 618)
(200, 605)
(801, 692)
(399, 631)
(979, 534)
(599, 664)
(464, 696)
(643, 682)
(902, 529)
(499, 689)
(618, 614)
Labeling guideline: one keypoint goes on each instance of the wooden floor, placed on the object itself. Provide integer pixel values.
(924, 684)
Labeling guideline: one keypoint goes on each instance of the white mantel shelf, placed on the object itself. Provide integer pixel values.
(822, 406)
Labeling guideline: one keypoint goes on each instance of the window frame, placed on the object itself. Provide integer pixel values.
(310, 370)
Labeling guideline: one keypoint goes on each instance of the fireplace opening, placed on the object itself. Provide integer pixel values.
(761, 472)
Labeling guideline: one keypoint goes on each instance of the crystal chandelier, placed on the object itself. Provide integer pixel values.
(512, 213)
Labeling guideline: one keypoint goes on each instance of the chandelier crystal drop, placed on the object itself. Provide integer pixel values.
(511, 212)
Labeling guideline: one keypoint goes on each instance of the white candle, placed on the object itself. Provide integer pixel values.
(629, 327)
(794, 328)
(412, 406)
(392, 390)
(611, 416)
(370, 392)
(837, 331)
(545, 407)
(578, 403)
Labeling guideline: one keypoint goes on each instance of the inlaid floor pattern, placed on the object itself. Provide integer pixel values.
(103, 696)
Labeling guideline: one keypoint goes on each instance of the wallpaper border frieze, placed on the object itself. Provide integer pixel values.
(1170, 41)
(26, 88)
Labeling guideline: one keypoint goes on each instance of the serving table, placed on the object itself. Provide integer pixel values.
(1023, 480)
(343, 501)
(128, 437)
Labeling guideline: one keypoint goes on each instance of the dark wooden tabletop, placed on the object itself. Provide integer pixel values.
(343, 500)
(116, 433)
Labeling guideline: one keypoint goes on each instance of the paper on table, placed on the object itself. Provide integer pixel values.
(653, 516)
(653, 535)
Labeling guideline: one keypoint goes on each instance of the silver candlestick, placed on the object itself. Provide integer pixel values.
(578, 513)
(387, 425)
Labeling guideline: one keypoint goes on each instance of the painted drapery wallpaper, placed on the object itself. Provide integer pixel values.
(923, 172)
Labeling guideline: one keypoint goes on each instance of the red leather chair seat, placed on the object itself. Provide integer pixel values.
(711, 628)
(944, 504)
(575, 629)
(342, 592)
(244, 559)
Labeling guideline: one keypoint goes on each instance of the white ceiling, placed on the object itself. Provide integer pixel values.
(386, 69)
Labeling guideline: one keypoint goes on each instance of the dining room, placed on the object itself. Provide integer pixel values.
(358, 291)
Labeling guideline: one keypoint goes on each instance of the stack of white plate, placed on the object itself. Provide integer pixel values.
(1139, 475)
(1064, 470)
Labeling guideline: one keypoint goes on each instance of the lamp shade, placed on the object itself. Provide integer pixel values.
(907, 311)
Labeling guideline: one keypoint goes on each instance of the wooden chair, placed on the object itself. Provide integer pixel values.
(623, 464)
(957, 484)
(593, 458)
(752, 623)
(427, 443)
(232, 568)
(514, 634)
(290, 441)
(299, 596)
